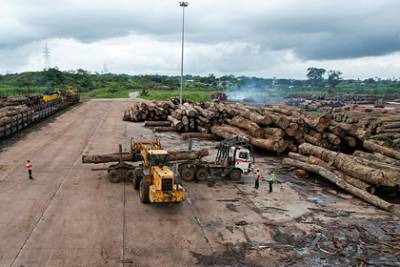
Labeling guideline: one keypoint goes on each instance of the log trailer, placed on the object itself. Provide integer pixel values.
(148, 169)
(234, 157)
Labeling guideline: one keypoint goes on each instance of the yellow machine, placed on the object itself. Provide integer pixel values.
(51, 96)
(155, 181)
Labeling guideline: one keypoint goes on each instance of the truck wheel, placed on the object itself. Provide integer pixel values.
(114, 176)
(187, 173)
(144, 191)
(136, 182)
(235, 175)
(202, 174)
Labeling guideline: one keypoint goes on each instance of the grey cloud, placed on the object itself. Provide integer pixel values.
(322, 30)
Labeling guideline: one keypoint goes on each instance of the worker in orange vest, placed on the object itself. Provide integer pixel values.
(258, 178)
(29, 167)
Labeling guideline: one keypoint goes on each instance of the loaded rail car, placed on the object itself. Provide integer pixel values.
(17, 113)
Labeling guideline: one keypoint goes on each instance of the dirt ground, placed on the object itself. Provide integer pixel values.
(72, 216)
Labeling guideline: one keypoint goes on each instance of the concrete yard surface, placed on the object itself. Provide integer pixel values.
(70, 215)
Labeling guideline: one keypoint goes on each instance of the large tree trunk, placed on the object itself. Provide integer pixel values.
(376, 157)
(276, 132)
(317, 161)
(248, 125)
(351, 167)
(332, 177)
(176, 123)
(113, 157)
(275, 144)
(156, 123)
(374, 147)
(257, 118)
(127, 156)
(164, 129)
(225, 131)
(197, 135)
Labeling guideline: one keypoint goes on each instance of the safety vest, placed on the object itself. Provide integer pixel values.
(29, 166)
(272, 178)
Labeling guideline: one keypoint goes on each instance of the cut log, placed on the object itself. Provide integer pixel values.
(187, 155)
(332, 138)
(350, 141)
(376, 157)
(156, 123)
(374, 147)
(226, 131)
(352, 168)
(164, 129)
(257, 118)
(276, 144)
(248, 125)
(197, 135)
(391, 125)
(127, 156)
(113, 157)
(276, 132)
(332, 177)
(176, 123)
(317, 161)
(318, 123)
(353, 181)
(313, 140)
(279, 120)
(384, 130)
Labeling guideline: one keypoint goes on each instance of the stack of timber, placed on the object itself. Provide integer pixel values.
(200, 117)
(277, 128)
(149, 111)
(359, 174)
(381, 125)
(14, 117)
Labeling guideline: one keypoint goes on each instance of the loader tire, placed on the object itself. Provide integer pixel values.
(202, 174)
(136, 182)
(144, 191)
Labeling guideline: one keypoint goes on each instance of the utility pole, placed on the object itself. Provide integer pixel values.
(46, 55)
(183, 5)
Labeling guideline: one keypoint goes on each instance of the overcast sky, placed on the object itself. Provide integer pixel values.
(264, 38)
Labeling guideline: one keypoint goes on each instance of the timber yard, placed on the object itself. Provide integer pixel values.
(72, 214)
(263, 133)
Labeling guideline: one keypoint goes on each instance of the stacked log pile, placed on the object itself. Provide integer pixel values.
(380, 125)
(200, 117)
(29, 100)
(149, 111)
(359, 174)
(13, 114)
(273, 128)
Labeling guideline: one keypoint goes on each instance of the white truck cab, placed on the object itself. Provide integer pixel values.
(240, 158)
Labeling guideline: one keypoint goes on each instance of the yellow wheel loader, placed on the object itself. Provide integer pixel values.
(154, 180)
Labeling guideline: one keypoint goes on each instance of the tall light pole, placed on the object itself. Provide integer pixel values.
(183, 5)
